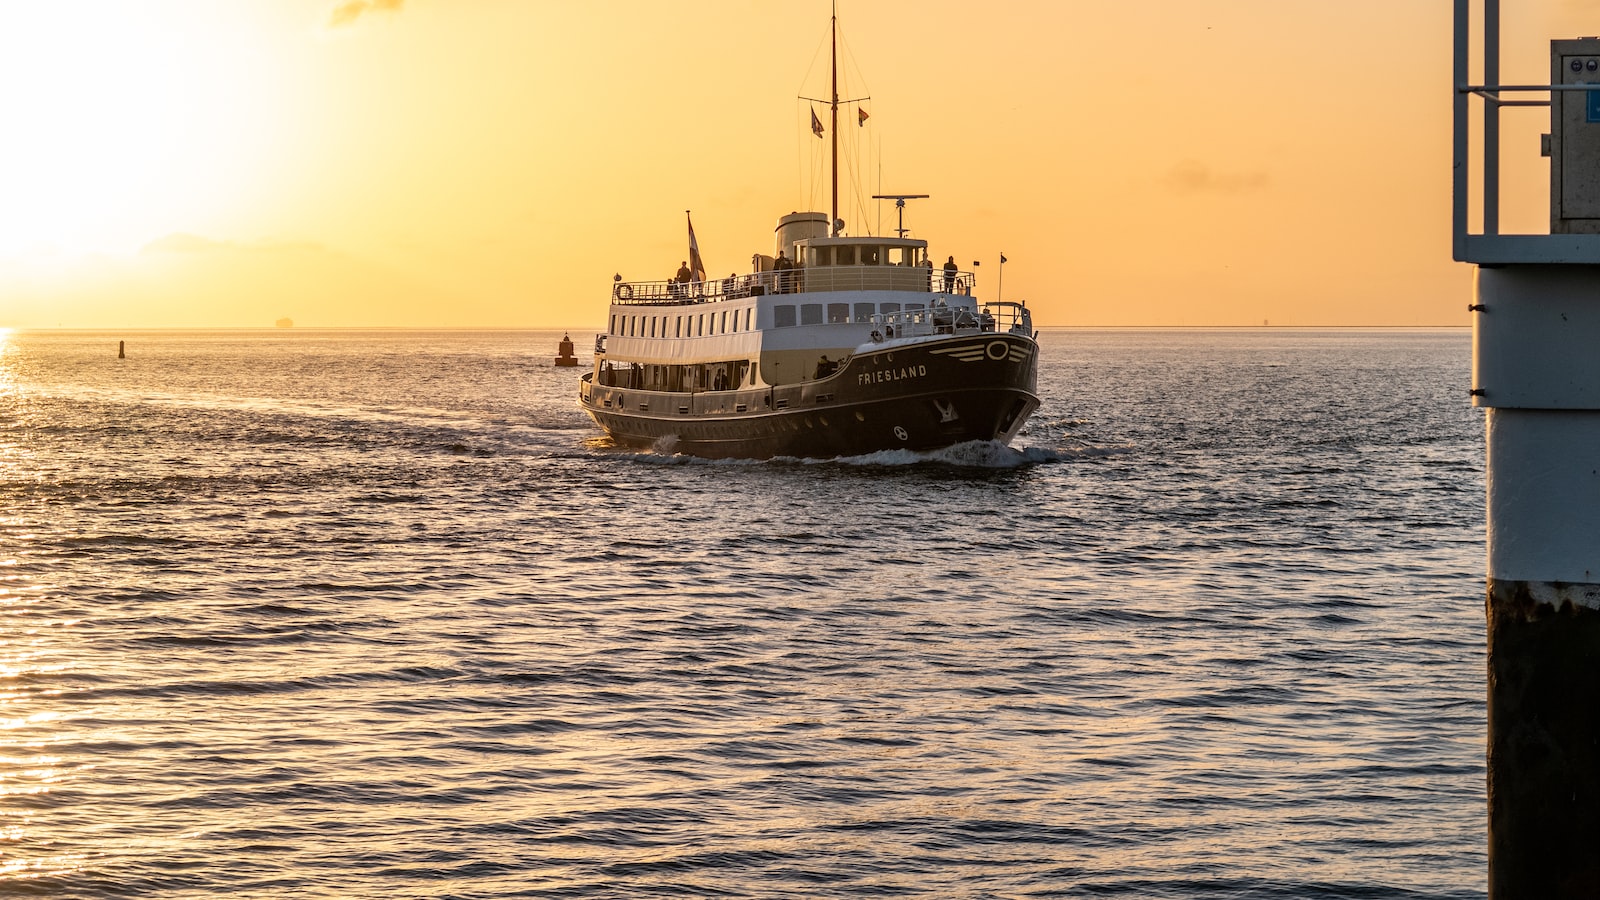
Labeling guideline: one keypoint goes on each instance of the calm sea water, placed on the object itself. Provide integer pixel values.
(376, 614)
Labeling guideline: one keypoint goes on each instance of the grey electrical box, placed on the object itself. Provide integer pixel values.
(1575, 138)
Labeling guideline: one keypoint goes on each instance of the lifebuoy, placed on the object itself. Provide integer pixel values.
(624, 291)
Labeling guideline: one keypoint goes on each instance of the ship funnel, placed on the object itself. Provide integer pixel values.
(799, 226)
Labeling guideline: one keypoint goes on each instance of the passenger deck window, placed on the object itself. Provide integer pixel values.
(838, 312)
(864, 312)
(782, 316)
(811, 314)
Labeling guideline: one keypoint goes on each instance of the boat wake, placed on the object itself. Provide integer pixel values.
(969, 455)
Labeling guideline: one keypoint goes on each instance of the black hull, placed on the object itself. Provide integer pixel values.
(921, 396)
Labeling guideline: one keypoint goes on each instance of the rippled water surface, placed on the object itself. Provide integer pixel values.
(377, 614)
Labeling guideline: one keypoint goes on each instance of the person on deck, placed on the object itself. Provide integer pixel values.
(950, 269)
(682, 280)
(781, 266)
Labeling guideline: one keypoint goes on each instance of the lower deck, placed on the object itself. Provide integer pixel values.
(920, 395)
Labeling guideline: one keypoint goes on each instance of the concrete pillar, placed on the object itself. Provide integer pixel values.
(1536, 367)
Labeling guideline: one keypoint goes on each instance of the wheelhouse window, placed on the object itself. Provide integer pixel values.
(872, 256)
(783, 316)
(902, 256)
(845, 255)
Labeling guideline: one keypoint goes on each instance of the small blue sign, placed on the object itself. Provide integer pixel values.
(1594, 106)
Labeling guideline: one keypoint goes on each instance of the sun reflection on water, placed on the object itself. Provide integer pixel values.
(29, 653)
(8, 354)
(10, 417)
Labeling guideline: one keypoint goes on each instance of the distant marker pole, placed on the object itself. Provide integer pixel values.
(121, 350)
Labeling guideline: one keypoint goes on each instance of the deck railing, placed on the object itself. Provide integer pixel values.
(911, 279)
(999, 317)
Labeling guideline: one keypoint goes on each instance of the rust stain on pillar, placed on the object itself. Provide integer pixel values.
(1544, 734)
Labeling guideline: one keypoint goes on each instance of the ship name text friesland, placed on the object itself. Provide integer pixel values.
(883, 375)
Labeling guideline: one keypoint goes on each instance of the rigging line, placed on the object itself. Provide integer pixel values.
(809, 159)
(851, 63)
(811, 68)
(813, 157)
(803, 133)
(858, 180)
(799, 163)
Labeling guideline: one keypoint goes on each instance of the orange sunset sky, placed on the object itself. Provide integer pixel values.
(494, 162)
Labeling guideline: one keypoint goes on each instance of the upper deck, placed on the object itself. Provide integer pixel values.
(914, 279)
(807, 260)
(827, 278)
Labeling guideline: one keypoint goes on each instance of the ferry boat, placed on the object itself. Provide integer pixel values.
(833, 345)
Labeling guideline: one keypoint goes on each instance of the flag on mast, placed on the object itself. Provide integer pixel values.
(816, 124)
(696, 268)
(861, 117)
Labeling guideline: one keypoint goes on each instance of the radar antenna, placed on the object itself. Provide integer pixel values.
(900, 208)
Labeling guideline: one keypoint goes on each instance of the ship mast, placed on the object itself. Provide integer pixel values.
(833, 101)
(833, 111)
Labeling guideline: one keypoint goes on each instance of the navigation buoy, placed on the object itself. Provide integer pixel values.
(564, 355)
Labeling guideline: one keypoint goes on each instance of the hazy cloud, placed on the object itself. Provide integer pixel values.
(179, 242)
(195, 245)
(348, 12)
(1194, 177)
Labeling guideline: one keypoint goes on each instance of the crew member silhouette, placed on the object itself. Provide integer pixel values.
(782, 265)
